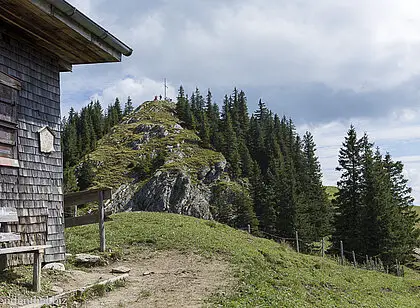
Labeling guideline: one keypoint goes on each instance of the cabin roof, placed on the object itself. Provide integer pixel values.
(57, 26)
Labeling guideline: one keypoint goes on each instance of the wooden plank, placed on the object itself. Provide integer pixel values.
(83, 197)
(23, 249)
(81, 220)
(9, 237)
(10, 81)
(9, 162)
(8, 214)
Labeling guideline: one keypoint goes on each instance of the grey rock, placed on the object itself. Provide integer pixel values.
(148, 273)
(132, 120)
(203, 172)
(136, 145)
(57, 290)
(120, 270)
(143, 128)
(87, 259)
(54, 266)
(178, 127)
(174, 192)
(416, 253)
(151, 130)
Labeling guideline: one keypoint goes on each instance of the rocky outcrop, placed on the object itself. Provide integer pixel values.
(173, 191)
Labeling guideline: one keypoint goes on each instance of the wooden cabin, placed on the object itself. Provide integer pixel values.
(38, 40)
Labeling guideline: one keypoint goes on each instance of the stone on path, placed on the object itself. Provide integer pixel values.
(120, 270)
(88, 259)
(55, 266)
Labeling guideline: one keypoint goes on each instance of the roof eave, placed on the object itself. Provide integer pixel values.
(79, 18)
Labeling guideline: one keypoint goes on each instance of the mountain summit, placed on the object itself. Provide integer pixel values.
(154, 164)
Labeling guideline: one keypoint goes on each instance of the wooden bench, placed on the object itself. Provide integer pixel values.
(9, 215)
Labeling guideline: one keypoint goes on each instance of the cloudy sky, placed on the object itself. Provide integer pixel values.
(324, 63)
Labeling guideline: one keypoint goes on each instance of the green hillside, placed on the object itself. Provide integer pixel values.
(116, 158)
(268, 274)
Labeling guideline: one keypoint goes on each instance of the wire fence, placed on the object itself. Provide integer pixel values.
(324, 248)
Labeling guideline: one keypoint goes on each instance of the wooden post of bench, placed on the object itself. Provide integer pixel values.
(3, 261)
(37, 272)
(102, 221)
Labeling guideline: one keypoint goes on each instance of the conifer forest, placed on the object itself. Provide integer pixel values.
(372, 212)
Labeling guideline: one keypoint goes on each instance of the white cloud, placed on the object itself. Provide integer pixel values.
(369, 47)
(139, 91)
(357, 45)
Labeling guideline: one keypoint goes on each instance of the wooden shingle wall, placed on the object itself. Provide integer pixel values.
(35, 188)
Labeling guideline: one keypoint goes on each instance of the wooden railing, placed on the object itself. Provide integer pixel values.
(73, 200)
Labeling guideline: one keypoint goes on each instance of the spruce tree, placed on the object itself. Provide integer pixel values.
(230, 148)
(403, 236)
(118, 111)
(317, 212)
(257, 188)
(181, 105)
(97, 119)
(350, 205)
(205, 132)
(128, 108)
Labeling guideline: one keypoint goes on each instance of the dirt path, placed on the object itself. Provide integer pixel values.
(165, 279)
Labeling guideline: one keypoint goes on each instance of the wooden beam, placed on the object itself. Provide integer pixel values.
(9, 162)
(37, 272)
(81, 220)
(8, 214)
(10, 81)
(9, 237)
(83, 197)
(65, 66)
(23, 249)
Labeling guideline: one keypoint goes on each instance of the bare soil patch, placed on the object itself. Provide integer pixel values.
(166, 279)
(156, 279)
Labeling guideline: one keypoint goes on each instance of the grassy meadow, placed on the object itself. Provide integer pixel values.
(268, 274)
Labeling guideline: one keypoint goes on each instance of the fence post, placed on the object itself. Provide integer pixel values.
(354, 259)
(102, 221)
(249, 228)
(342, 252)
(367, 262)
(75, 211)
(297, 242)
(322, 247)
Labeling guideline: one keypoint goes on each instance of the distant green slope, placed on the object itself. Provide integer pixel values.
(331, 191)
(269, 274)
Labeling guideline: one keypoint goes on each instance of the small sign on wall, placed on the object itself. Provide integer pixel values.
(46, 140)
